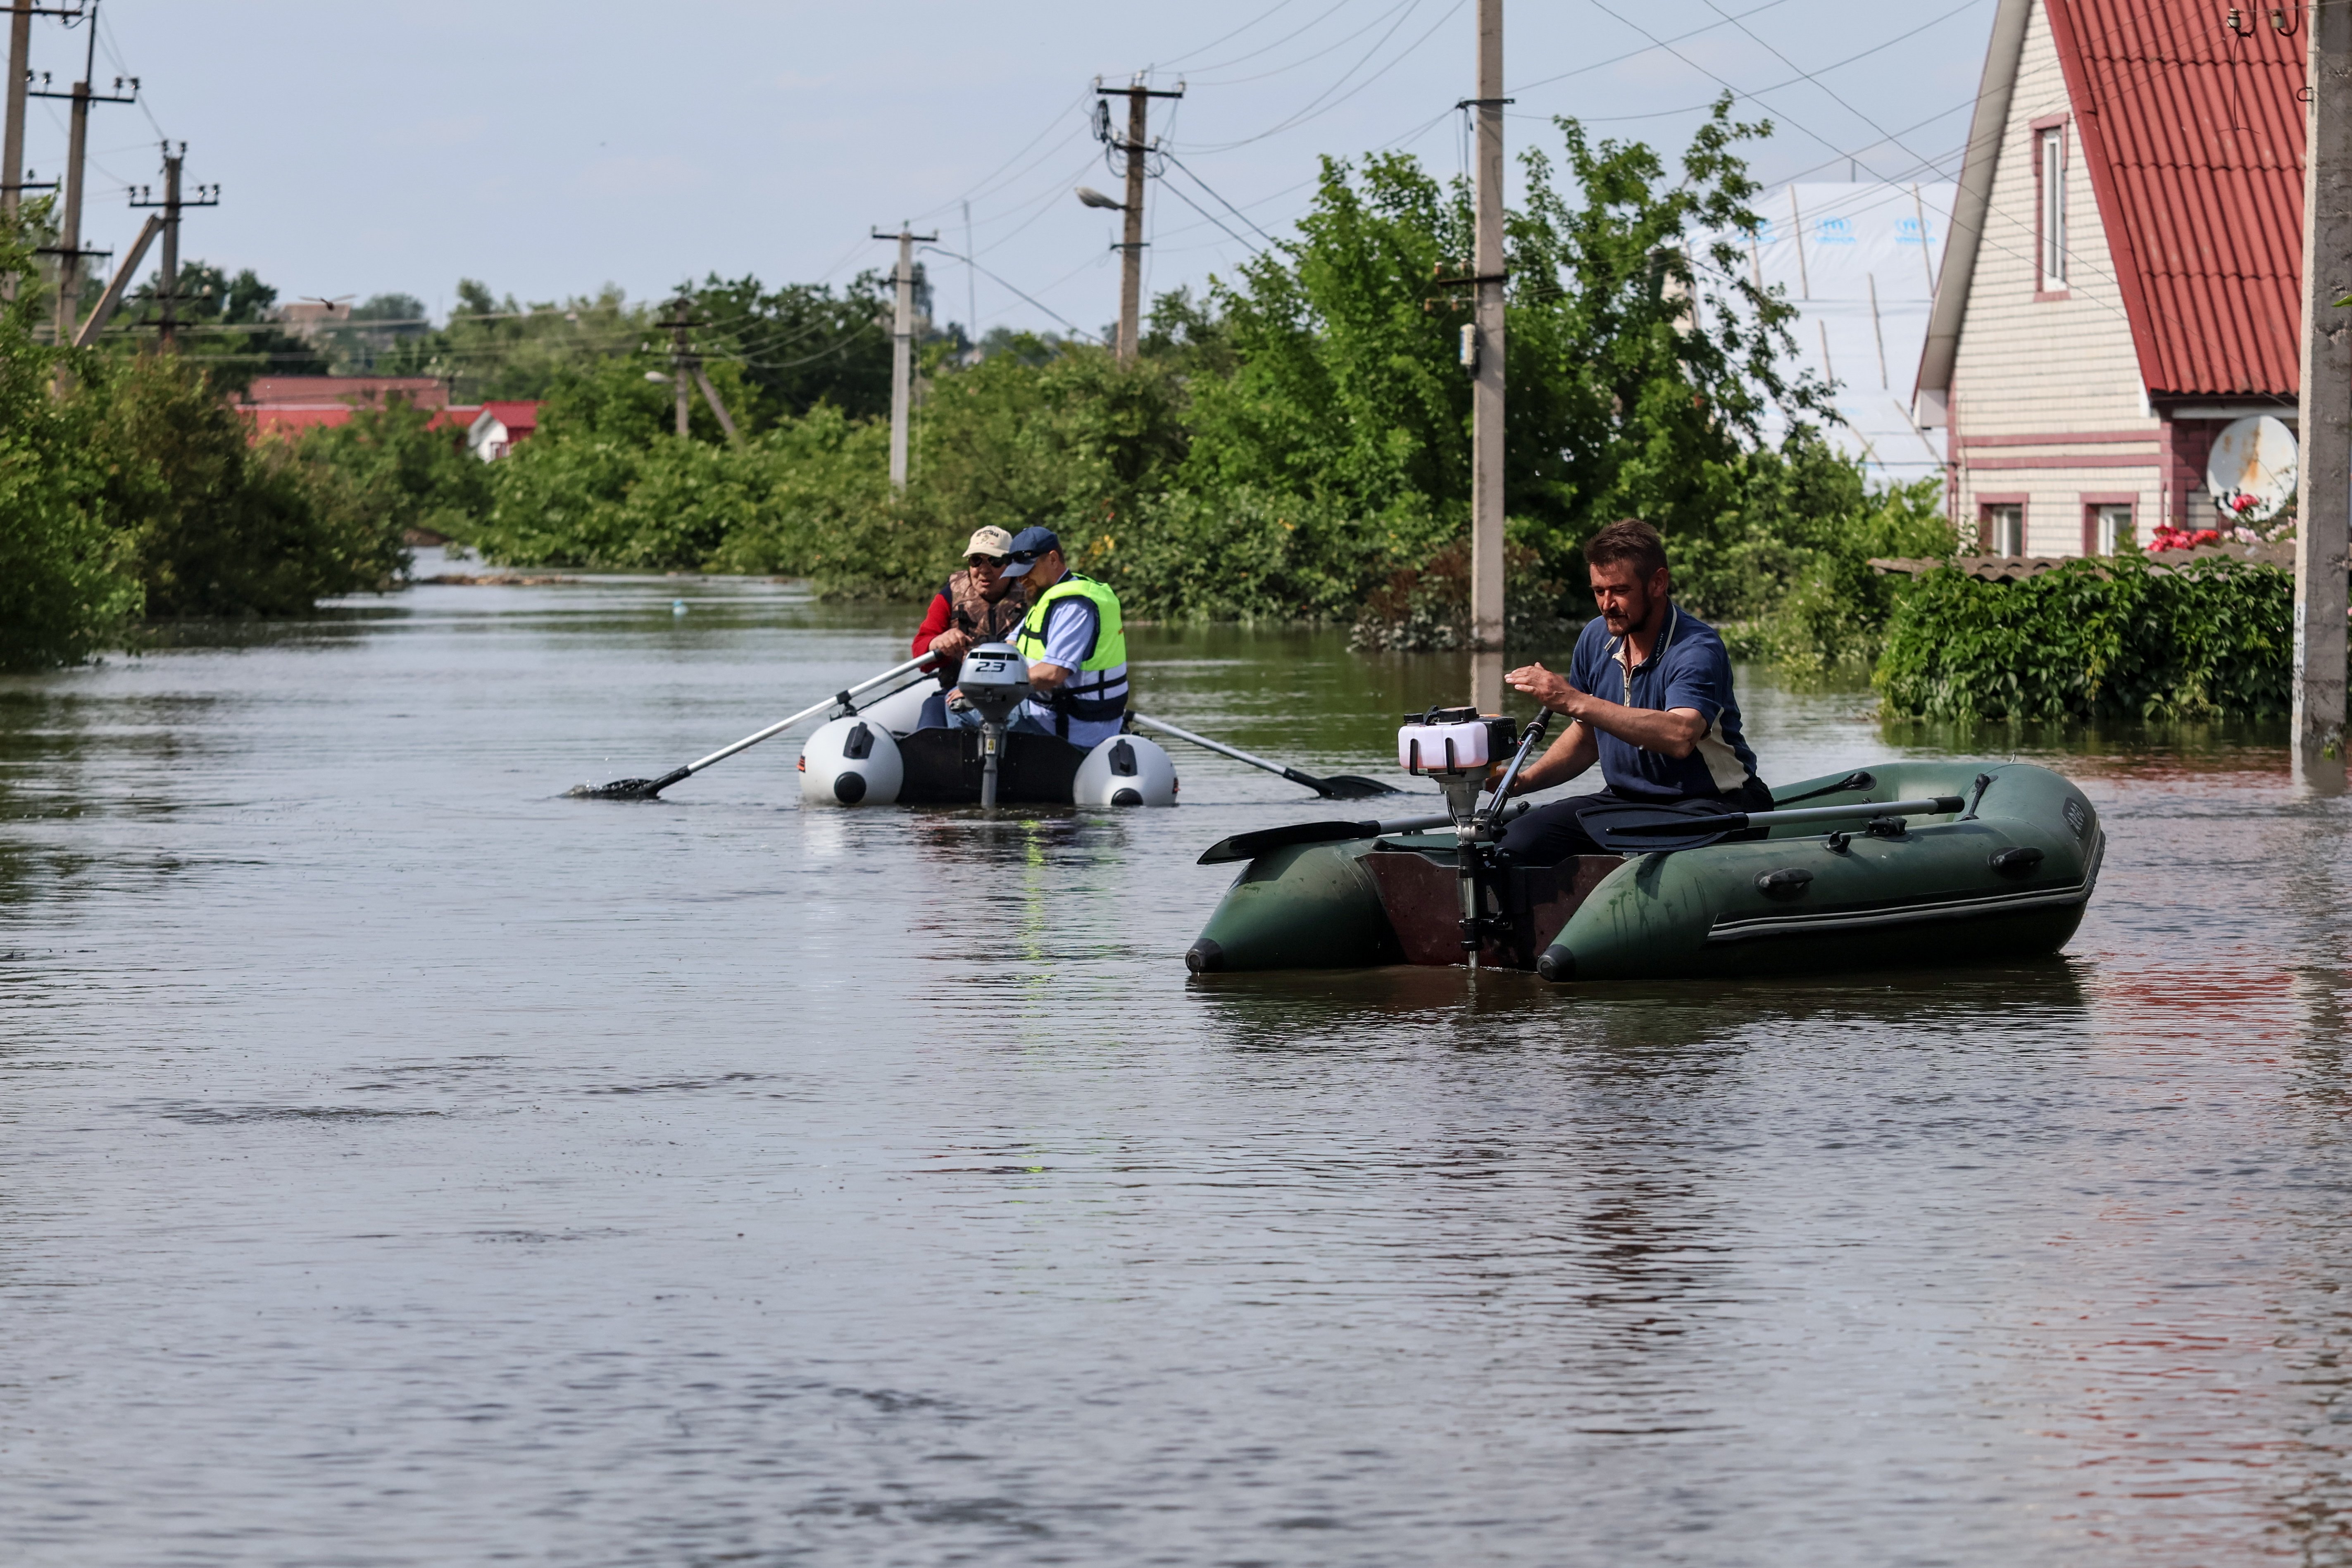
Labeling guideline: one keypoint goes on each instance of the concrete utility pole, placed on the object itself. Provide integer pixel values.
(682, 364)
(1130, 281)
(20, 64)
(167, 282)
(2324, 506)
(20, 60)
(69, 250)
(1487, 391)
(69, 300)
(902, 348)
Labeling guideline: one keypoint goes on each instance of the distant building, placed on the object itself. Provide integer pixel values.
(2122, 279)
(305, 319)
(290, 404)
(499, 428)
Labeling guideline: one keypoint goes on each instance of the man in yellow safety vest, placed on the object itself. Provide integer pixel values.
(1073, 641)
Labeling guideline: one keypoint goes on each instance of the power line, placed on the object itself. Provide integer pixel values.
(1001, 283)
(1335, 45)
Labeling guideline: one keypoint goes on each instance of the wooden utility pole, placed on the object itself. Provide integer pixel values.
(1130, 281)
(902, 348)
(2324, 506)
(1487, 391)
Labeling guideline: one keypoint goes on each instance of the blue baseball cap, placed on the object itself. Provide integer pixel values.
(1027, 545)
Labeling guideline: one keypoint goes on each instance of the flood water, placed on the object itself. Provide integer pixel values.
(401, 1164)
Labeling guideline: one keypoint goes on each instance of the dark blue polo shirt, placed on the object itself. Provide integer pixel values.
(1688, 669)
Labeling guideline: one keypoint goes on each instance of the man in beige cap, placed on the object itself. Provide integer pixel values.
(976, 606)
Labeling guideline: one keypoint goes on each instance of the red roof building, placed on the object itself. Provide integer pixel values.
(2121, 277)
(499, 427)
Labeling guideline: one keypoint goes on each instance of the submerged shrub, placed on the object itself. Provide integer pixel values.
(2095, 639)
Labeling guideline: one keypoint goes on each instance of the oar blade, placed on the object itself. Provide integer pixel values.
(1265, 840)
(1354, 787)
(627, 789)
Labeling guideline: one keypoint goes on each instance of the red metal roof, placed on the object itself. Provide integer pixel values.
(2194, 141)
(520, 417)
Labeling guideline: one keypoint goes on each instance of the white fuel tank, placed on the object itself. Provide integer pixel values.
(1126, 770)
(851, 761)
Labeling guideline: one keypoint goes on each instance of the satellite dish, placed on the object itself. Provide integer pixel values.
(2255, 457)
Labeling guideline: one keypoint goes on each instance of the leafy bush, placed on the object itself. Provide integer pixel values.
(782, 500)
(392, 464)
(1783, 570)
(2094, 640)
(64, 590)
(213, 525)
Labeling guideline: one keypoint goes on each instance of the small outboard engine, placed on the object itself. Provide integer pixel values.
(851, 761)
(994, 681)
(1126, 770)
(1457, 747)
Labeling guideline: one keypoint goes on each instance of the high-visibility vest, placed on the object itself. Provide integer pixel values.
(1098, 690)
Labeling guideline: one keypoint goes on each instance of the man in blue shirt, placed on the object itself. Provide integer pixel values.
(1648, 696)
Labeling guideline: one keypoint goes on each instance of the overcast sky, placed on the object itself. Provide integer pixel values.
(550, 148)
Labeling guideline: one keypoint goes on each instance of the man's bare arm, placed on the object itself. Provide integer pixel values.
(1674, 732)
(1574, 751)
(1047, 677)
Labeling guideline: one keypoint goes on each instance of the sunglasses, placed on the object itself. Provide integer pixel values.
(983, 559)
(1024, 557)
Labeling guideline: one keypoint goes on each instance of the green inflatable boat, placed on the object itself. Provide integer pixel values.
(2003, 873)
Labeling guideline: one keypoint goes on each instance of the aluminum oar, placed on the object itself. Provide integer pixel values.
(1633, 828)
(1250, 846)
(645, 789)
(1338, 787)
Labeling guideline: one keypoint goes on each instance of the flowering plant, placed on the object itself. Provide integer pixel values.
(2170, 538)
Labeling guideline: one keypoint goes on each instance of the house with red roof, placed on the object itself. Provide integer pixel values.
(499, 428)
(288, 406)
(2121, 276)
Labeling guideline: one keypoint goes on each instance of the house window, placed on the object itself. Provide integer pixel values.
(2106, 526)
(2002, 530)
(2050, 188)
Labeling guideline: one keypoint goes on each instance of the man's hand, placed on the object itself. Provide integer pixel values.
(1552, 691)
(951, 643)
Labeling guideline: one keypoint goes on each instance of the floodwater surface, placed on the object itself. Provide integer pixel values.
(401, 1164)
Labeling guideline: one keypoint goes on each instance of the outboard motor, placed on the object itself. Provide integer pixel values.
(1457, 746)
(1126, 770)
(994, 681)
(851, 761)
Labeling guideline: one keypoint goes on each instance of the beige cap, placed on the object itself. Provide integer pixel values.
(990, 542)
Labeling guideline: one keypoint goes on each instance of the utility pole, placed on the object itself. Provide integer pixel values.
(682, 363)
(2325, 471)
(902, 349)
(1486, 389)
(1130, 282)
(167, 283)
(69, 250)
(20, 63)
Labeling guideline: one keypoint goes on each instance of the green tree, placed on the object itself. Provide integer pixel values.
(225, 326)
(213, 525)
(65, 590)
